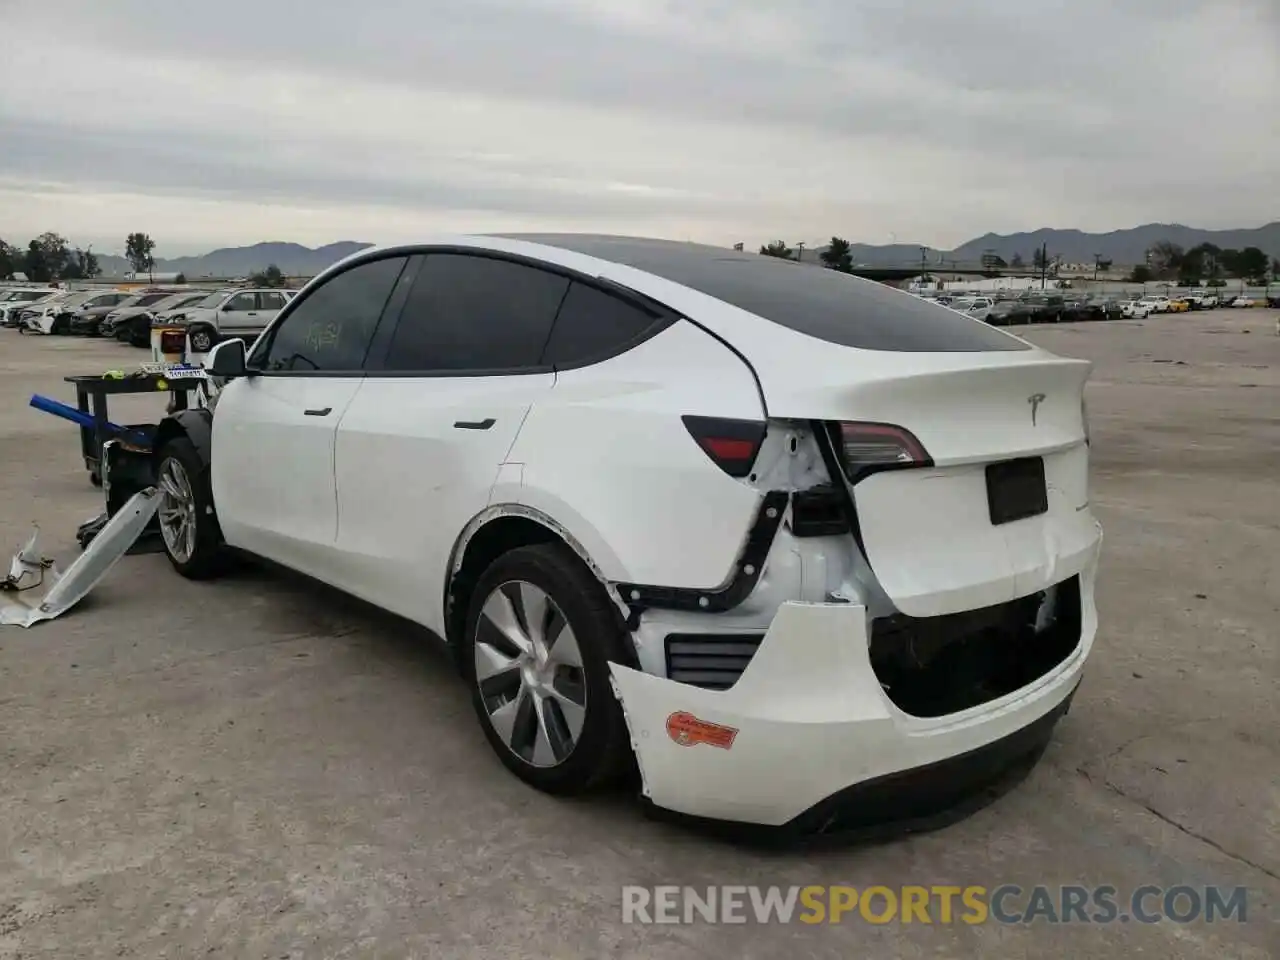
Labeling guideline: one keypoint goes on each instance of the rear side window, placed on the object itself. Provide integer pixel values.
(331, 329)
(593, 325)
(472, 314)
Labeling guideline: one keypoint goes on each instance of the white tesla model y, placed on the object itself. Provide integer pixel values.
(804, 549)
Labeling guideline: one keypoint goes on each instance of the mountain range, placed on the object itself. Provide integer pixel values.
(1122, 247)
(293, 259)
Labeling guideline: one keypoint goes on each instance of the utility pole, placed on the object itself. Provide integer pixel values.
(1044, 262)
(924, 263)
(1097, 259)
(800, 250)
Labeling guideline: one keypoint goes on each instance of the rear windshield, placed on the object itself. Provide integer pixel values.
(811, 300)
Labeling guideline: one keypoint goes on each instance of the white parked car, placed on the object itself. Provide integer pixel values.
(980, 308)
(1156, 304)
(791, 540)
(18, 301)
(1208, 301)
(1243, 301)
(54, 315)
(1135, 309)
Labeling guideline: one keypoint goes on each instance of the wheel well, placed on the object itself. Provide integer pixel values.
(491, 541)
(168, 429)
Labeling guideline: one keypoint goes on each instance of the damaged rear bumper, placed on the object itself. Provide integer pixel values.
(807, 739)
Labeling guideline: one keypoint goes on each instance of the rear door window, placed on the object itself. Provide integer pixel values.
(593, 325)
(469, 314)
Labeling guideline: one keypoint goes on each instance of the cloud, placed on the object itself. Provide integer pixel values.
(717, 120)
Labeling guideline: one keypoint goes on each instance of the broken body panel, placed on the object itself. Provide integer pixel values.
(29, 570)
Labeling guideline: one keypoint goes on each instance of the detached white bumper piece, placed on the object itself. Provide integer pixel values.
(809, 740)
(29, 571)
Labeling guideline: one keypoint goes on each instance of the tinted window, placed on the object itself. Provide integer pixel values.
(468, 313)
(806, 298)
(592, 325)
(241, 301)
(332, 327)
(271, 301)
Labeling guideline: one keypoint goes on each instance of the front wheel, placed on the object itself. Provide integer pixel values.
(540, 635)
(188, 524)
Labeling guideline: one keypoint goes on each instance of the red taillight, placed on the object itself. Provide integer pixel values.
(871, 447)
(731, 444)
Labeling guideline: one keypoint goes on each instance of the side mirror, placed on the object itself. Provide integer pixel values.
(226, 360)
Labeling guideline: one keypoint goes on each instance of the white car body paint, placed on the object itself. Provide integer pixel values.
(810, 720)
(288, 515)
(379, 495)
(411, 428)
(620, 413)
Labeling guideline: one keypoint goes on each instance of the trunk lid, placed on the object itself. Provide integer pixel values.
(930, 534)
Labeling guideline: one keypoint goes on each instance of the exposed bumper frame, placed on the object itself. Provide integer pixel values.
(807, 734)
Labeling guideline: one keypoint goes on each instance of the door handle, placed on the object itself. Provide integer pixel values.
(474, 424)
(318, 412)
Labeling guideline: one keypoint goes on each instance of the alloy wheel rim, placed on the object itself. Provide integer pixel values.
(177, 511)
(529, 672)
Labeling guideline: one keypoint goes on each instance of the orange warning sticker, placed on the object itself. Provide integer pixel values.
(687, 730)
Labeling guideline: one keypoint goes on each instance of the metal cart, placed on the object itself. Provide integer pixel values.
(91, 398)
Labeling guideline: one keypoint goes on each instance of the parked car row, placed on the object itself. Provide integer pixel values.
(1038, 307)
(129, 316)
(1065, 307)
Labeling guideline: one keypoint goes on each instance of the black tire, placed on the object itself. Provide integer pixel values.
(208, 558)
(201, 340)
(601, 753)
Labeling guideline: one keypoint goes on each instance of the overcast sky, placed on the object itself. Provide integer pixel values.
(211, 124)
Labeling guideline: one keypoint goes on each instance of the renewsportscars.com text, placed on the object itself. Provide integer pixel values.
(1006, 903)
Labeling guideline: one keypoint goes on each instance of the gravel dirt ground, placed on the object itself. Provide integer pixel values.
(260, 767)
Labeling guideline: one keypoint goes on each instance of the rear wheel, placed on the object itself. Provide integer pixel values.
(188, 524)
(540, 635)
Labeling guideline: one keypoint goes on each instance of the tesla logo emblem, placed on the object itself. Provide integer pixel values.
(1035, 400)
(687, 730)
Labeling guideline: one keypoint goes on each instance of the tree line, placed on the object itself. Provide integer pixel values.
(837, 256)
(49, 258)
(1165, 260)
(1206, 263)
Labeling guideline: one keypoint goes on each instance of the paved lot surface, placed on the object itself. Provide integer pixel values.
(262, 768)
